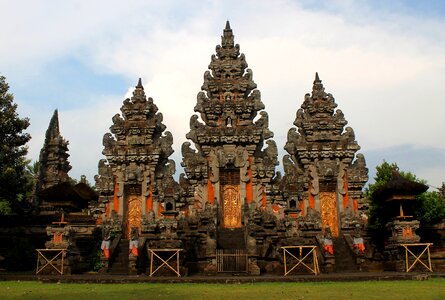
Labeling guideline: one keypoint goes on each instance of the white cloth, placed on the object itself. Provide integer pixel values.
(134, 243)
(105, 244)
(358, 241)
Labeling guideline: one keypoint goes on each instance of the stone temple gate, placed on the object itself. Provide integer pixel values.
(230, 198)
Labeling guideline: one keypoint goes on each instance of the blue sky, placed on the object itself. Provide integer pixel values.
(383, 61)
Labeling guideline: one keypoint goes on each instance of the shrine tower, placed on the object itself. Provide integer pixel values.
(230, 168)
(53, 164)
(136, 179)
(53, 160)
(323, 174)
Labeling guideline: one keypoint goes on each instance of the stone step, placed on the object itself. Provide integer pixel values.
(344, 259)
(231, 239)
(119, 265)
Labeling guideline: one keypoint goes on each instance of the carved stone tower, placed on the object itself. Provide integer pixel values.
(135, 180)
(53, 160)
(321, 175)
(230, 168)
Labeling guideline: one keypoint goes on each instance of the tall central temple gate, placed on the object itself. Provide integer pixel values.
(230, 199)
(230, 168)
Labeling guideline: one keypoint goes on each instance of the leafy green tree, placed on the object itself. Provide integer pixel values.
(377, 214)
(13, 139)
(32, 177)
(432, 208)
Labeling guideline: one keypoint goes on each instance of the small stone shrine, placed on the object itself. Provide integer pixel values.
(63, 202)
(398, 197)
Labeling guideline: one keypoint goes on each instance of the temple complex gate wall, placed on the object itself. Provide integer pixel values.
(230, 198)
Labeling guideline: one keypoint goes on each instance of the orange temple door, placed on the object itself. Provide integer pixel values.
(329, 212)
(230, 208)
(133, 212)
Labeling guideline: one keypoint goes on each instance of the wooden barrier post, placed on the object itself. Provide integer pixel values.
(417, 258)
(301, 259)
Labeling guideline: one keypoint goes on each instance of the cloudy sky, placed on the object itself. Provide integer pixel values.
(384, 62)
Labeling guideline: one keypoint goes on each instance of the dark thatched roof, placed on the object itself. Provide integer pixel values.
(399, 185)
(65, 194)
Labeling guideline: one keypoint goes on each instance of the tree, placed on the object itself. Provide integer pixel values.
(13, 139)
(431, 208)
(32, 177)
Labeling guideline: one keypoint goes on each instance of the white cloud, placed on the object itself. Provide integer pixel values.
(84, 128)
(384, 69)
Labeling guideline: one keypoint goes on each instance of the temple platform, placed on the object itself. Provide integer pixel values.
(227, 279)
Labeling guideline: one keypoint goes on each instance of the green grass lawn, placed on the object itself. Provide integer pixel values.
(429, 289)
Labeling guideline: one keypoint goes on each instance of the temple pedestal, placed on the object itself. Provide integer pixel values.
(403, 231)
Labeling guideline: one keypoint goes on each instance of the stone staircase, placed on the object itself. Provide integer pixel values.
(231, 239)
(119, 264)
(344, 259)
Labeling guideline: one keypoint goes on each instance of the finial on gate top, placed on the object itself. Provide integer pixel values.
(228, 25)
(53, 128)
(317, 87)
(140, 84)
(317, 78)
(56, 115)
(227, 37)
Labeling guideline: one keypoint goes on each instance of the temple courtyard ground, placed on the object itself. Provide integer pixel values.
(378, 286)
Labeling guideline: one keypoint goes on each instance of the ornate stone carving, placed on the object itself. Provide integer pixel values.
(53, 159)
(229, 132)
(137, 176)
(229, 187)
(322, 150)
(231, 207)
(233, 166)
(329, 216)
(401, 231)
